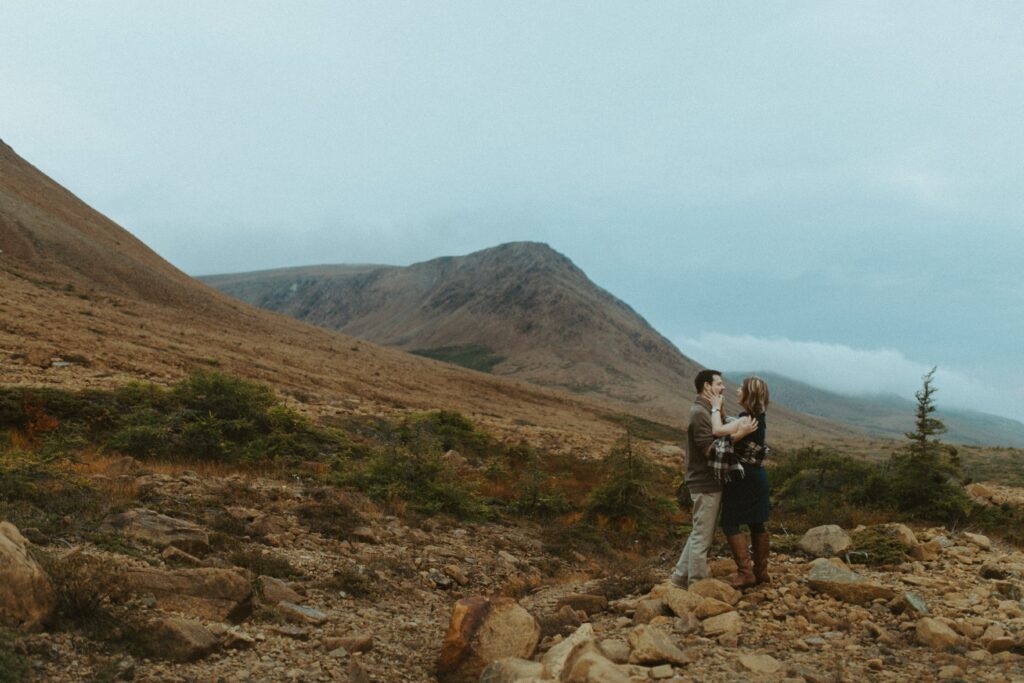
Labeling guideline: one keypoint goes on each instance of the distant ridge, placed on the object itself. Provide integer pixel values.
(520, 310)
(889, 415)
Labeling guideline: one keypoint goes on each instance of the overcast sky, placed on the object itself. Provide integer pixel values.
(833, 191)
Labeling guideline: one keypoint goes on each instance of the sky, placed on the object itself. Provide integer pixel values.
(828, 190)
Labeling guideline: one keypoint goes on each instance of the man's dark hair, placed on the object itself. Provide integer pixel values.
(703, 377)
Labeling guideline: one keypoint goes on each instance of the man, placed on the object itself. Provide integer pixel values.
(705, 490)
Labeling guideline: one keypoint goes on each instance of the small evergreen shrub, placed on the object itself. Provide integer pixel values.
(626, 496)
(422, 480)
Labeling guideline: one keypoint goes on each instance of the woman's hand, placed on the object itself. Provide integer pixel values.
(716, 401)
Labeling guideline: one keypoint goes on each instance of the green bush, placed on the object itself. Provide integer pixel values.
(813, 480)
(626, 495)
(538, 496)
(208, 415)
(423, 480)
(879, 546)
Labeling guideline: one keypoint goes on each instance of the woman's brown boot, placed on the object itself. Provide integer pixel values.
(745, 575)
(761, 550)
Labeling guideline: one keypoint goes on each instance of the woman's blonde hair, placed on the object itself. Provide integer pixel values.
(755, 395)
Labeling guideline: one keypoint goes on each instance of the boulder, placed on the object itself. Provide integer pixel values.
(616, 650)
(651, 646)
(647, 610)
(27, 598)
(760, 664)
(589, 665)
(979, 540)
(926, 552)
(730, 622)
(712, 608)
(845, 584)
(510, 670)
(216, 594)
(718, 590)
(980, 492)
(902, 533)
(159, 530)
(180, 640)
(682, 601)
(825, 541)
(935, 634)
(482, 631)
(554, 659)
(273, 591)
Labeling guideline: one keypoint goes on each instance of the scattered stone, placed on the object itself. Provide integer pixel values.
(950, 671)
(568, 616)
(647, 610)
(828, 540)
(27, 597)
(300, 613)
(159, 530)
(935, 634)
(554, 660)
(174, 554)
(216, 594)
(926, 552)
(273, 591)
(979, 540)
(979, 492)
(712, 607)
(510, 670)
(180, 640)
(902, 533)
(482, 631)
(686, 624)
(291, 631)
(718, 590)
(723, 623)
(760, 664)
(915, 603)
(681, 602)
(1001, 644)
(993, 570)
(586, 664)
(845, 584)
(362, 643)
(591, 604)
(651, 646)
(456, 574)
(235, 639)
(661, 672)
(616, 650)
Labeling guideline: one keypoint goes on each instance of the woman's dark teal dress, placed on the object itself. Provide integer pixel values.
(745, 501)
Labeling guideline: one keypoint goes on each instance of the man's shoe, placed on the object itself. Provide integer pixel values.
(745, 568)
(679, 581)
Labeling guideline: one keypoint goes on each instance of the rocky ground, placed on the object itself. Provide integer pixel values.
(243, 578)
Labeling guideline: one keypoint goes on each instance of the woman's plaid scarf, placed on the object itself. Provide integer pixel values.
(727, 460)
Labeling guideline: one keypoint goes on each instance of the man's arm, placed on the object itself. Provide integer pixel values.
(703, 438)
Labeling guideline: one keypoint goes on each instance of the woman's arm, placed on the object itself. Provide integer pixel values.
(737, 429)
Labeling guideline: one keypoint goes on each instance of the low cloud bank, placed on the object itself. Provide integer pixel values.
(846, 370)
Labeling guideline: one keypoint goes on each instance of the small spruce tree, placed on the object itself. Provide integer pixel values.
(925, 471)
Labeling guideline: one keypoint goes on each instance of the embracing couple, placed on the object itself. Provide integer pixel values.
(724, 474)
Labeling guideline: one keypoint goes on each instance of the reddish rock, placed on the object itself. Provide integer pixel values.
(27, 598)
(483, 631)
(215, 594)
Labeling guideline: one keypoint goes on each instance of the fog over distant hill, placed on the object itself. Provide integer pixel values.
(888, 415)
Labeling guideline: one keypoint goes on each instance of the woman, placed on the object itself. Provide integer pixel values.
(745, 500)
